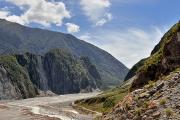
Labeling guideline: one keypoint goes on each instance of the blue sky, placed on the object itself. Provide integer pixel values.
(128, 29)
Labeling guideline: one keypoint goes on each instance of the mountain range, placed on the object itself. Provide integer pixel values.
(18, 39)
(34, 60)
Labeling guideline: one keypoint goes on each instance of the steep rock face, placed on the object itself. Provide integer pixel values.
(35, 67)
(7, 90)
(14, 81)
(92, 71)
(66, 74)
(18, 39)
(58, 71)
(164, 58)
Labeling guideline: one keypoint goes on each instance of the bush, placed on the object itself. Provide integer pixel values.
(162, 102)
(108, 103)
(146, 104)
(169, 112)
(151, 84)
(138, 111)
(127, 106)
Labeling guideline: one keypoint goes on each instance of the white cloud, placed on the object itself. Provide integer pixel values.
(3, 14)
(96, 10)
(129, 46)
(72, 28)
(39, 11)
(13, 18)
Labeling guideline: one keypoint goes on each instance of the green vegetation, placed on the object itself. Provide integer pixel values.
(169, 112)
(146, 104)
(157, 53)
(162, 102)
(127, 106)
(153, 67)
(168, 77)
(138, 111)
(150, 84)
(108, 103)
(153, 60)
(177, 69)
(18, 76)
(134, 69)
(40, 41)
(158, 94)
(72, 70)
(104, 102)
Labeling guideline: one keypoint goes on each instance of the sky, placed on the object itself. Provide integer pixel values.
(127, 29)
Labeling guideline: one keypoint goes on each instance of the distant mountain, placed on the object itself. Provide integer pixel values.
(18, 39)
(22, 76)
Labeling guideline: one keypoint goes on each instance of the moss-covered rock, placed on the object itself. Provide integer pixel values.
(18, 78)
(67, 74)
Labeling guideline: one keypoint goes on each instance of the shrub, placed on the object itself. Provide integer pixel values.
(138, 111)
(177, 69)
(169, 112)
(146, 104)
(162, 102)
(136, 98)
(151, 84)
(127, 106)
(108, 103)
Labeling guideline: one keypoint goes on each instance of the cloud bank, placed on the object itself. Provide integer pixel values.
(38, 11)
(129, 46)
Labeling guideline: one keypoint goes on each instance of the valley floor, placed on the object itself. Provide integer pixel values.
(45, 108)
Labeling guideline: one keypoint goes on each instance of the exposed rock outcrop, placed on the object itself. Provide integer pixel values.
(7, 90)
(21, 76)
(66, 74)
(35, 67)
(14, 81)
(164, 58)
(158, 100)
